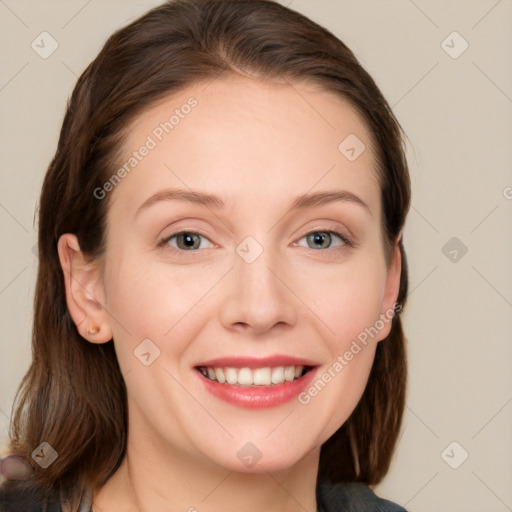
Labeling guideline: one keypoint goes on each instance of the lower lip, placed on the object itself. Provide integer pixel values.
(258, 397)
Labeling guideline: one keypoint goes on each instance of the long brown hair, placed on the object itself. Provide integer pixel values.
(73, 395)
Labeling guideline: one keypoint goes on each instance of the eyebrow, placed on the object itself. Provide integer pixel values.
(213, 201)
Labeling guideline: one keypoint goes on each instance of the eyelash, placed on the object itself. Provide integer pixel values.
(164, 242)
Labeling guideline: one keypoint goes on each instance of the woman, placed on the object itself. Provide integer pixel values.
(220, 267)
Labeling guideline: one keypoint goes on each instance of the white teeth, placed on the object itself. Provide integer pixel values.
(261, 377)
(278, 375)
(253, 377)
(245, 377)
(231, 376)
(289, 373)
(219, 375)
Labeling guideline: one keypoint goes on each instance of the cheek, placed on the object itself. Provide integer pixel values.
(350, 299)
(156, 302)
(351, 310)
(350, 305)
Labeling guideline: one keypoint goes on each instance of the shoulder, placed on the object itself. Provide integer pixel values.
(352, 497)
(27, 497)
(16, 496)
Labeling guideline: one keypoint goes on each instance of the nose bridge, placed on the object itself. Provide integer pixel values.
(254, 266)
(257, 296)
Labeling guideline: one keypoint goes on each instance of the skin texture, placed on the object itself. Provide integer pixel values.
(258, 146)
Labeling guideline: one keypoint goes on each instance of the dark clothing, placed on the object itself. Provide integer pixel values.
(351, 497)
(341, 497)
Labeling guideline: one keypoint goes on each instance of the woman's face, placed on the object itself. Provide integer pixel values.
(253, 281)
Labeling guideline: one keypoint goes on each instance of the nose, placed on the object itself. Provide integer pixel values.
(259, 295)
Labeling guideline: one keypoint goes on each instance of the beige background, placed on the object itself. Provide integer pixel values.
(458, 116)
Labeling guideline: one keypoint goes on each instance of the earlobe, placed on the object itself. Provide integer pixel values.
(391, 290)
(84, 291)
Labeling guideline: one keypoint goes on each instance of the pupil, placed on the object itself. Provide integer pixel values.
(188, 240)
(319, 238)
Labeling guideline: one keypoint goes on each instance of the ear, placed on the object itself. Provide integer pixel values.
(85, 294)
(391, 289)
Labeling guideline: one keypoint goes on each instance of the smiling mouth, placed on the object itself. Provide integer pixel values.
(253, 377)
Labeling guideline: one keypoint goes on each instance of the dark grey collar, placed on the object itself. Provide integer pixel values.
(351, 497)
(331, 497)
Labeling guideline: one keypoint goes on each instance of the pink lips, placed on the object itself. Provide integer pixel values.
(257, 397)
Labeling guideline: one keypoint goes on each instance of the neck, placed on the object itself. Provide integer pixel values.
(155, 481)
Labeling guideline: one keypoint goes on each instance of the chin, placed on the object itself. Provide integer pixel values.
(260, 457)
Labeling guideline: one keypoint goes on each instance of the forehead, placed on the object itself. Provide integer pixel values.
(238, 136)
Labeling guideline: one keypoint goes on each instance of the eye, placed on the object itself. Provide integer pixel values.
(184, 241)
(323, 239)
(191, 241)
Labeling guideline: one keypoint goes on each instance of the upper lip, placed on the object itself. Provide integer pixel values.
(257, 362)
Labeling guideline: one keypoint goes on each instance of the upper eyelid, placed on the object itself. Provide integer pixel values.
(348, 240)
